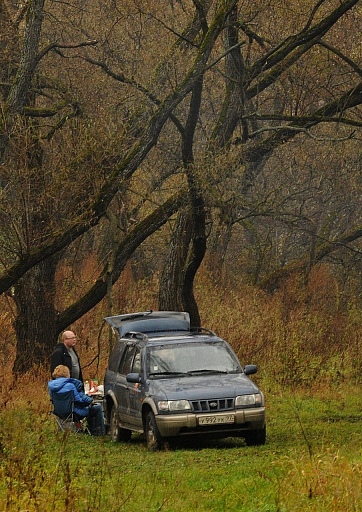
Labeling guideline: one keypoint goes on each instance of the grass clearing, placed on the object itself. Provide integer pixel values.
(312, 461)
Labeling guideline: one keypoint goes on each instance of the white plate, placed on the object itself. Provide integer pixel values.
(214, 420)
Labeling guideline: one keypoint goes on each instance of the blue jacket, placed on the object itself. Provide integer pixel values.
(81, 400)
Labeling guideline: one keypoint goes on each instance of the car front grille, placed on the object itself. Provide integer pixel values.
(218, 404)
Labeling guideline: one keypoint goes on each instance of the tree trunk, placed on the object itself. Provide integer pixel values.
(35, 325)
(171, 282)
(196, 255)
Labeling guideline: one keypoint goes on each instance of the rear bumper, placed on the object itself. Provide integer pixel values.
(172, 425)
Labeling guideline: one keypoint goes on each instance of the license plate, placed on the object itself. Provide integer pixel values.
(214, 420)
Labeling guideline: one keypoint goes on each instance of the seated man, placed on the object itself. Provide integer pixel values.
(83, 406)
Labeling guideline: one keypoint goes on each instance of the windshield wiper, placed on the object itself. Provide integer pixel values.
(166, 373)
(206, 371)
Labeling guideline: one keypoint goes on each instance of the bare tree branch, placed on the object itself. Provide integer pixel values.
(57, 46)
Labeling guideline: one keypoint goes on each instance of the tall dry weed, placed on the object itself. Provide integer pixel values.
(293, 335)
(297, 336)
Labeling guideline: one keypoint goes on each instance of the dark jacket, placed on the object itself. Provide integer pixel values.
(62, 356)
(64, 384)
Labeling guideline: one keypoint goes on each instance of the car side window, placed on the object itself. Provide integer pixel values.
(136, 366)
(126, 361)
(114, 358)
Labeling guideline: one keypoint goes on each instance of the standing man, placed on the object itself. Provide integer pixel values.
(65, 354)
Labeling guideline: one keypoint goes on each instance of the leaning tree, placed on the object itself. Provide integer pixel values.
(125, 114)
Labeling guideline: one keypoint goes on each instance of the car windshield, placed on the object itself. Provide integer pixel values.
(191, 358)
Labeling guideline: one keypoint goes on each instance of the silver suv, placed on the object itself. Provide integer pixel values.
(166, 380)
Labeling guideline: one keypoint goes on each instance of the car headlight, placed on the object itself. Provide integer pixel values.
(248, 400)
(174, 405)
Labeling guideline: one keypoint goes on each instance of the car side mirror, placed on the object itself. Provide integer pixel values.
(250, 369)
(134, 378)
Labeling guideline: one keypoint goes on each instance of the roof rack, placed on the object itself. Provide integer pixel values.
(144, 337)
(202, 330)
(133, 334)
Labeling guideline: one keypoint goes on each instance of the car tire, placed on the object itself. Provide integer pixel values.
(117, 433)
(256, 437)
(153, 437)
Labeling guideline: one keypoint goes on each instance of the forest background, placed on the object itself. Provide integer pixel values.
(185, 155)
(197, 155)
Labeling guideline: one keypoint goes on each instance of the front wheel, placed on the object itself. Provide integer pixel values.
(153, 437)
(118, 433)
(256, 437)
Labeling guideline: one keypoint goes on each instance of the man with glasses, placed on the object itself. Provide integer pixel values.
(66, 354)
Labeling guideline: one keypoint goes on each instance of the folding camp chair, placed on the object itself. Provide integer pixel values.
(63, 410)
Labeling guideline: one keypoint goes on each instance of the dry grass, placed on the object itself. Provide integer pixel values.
(309, 358)
(311, 462)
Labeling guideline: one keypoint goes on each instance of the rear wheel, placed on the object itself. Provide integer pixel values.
(118, 433)
(153, 437)
(256, 437)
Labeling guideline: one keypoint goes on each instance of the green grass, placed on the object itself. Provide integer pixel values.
(312, 462)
